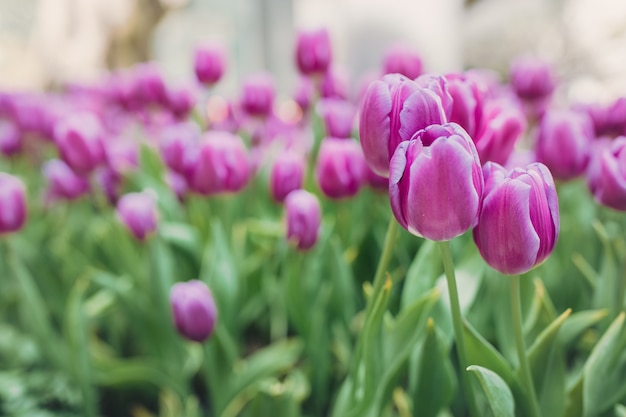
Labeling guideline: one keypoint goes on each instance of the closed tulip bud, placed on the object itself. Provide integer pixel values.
(564, 143)
(402, 59)
(392, 110)
(110, 181)
(10, 138)
(340, 170)
(180, 101)
(287, 174)
(436, 182)
(438, 85)
(221, 164)
(607, 173)
(519, 222)
(303, 218)
(209, 63)
(258, 95)
(467, 102)
(177, 183)
(313, 51)
(193, 309)
(138, 213)
(532, 78)
(150, 87)
(175, 142)
(80, 142)
(303, 95)
(63, 183)
(335, 84)
(338, 116)
(503, 124)
(12, 203)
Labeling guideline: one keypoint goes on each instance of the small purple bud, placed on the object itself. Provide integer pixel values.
(209, 63)
(12, 203)
(193, 309)
(518, 225)
(503, 124)
(10, 138)
(138, 213)
(176, 141)
(80, 143)
(63, 183)
(607, 173)
(303, 218)
(150, 87)
(340, 170)
(313, 51)
(258, 95)
(436, 182)
(180, 101)
(335, 84)
(110, 182)
(532, 78)
(338, 116)
(287, 174)
(303, 95)
(402, 59)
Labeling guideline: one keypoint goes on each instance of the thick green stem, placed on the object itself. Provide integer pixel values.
(457, 321)
(383, 262)
(527, 379)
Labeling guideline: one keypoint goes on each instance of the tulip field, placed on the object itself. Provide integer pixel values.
(410, 244)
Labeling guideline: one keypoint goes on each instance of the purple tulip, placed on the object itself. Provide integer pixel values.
(313, 52)
(63, 183)
(12, 203)
(10, 138)
(303, 95)
(436, 182)
(564, 143)
(180, 101)
(467, 102)
(80, 142)
(110, 181)
(402, 59)
(122, 154)
(502, 126)
(607, 172)
(375, 181)
(176, 141)
(304, 216)
(193, 309)
(438, 85)
(287, 174)
(335, 84)
(532, 78)
(258, 95)
(138, 213)
(340, 170)
(177, 183)
(221, 164)
(519, 222)
(209, 63)
(393, 109)
(149, 84)
(338, 116)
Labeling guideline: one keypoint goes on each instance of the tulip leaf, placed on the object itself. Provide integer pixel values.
(541, 313)
(422, 273)
(480, 352)
(574, 399)
(605, 369)
(497, 391)
(578, 323)
(181, 235)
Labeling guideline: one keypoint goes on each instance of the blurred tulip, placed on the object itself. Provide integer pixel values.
(177, 183)
(180, 101)
(402, 59)
(518, 225)
(258, 95)
(12, 203)
(287, 174)
(63, 183)
(80, 142)
(502, 126)
(138, 213)
(313, 51)
(532, 78)
(209, 63)
(335, 84)
(176, 141)
(340, 170)
(304, 92)
(150, 86)
(607, 173)
(436, 182)
(438, 85)
(338, 116)
(304, 217)
(467, 102)
(193, 309)
(10, 138)
(375, 181)
(122, 154)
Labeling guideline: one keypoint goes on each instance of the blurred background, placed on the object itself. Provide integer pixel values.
(45, 43)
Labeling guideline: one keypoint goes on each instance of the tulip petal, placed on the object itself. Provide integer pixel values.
(374, 127)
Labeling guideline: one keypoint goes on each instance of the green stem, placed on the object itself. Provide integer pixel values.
(457, 321)
(527, 379)
(383, 262)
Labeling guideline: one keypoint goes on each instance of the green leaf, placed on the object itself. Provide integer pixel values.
(574, 399)
(541, 313)
(181, 235)
(498, 393)
(578, 323)
(422, 274)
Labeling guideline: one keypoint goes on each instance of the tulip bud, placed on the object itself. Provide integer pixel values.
(193, 309)
(220, 164)
(532, 78)
(177, 183)
(564, 143)
(436, 182)
(438, 85)
(607, 175)
(180, 101)
(209, 63)
(340, 170)
(335, 84)
(287, 174)
(138, 213)
(10, 138)
(258, 95)
(313, 51)
(393, 109)
(338, 116)
(149, 87)
(502, 126)
(519, 222)
(80, 143)
(62, 181)
(12, 203)
(467, 102)
(303, 95)
(402, 59)
(303, 218)
(175, 142)
(122, 154)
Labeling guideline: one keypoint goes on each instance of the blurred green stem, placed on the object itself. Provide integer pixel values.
(457, 321)
(379, 278)
(527, 379)
(278, 309)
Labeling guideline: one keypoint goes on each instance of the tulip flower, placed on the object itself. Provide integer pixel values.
(62, 181)
(519, 221)
(303, 94)
(12, 203)
(180, 101)
(80, 142)
(564, 143)
(303, 216)
(335, 84)
(502, 126)
(10, 138)
(338, 116)
(607, 173)
(209, 63)
(392, 110)
(467, 102)
(402, 59)
(532, 78)
(175, 142)
(177, 183)
(287, 174)
(340, 170)
(258, 93)
(436, 182)
(313, 52)
(150, 86)
(138, 213)
(193, 309)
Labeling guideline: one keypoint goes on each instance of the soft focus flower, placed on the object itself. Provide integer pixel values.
(303, 94)
(177, 183)
(402, 59)
(303, 218)
(502, 126)
(80, 142)
(258, 92)
(209, 63)
(176, 141)
(393, 109)
(335, 84)
(180, 101)
(467, 102)
(340, 169)
(338, 116)
(193, 309)
(10, 138)
(607, 173)
(375, 181)
(220, 164)
(63, 183)
(436, 182)
(122, 154)
(438, 85)
(564, 143)
(110, 181)
(138, 213)
(150, 87)
(287, 174)
(532, 78)
(519, 222)
(313, 51)
(12, 203)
